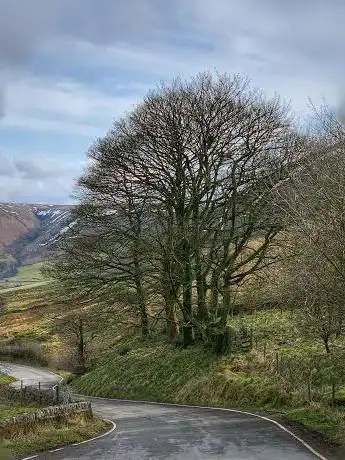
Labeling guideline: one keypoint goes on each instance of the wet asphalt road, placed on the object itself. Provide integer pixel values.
(156, 432)
(27, 375)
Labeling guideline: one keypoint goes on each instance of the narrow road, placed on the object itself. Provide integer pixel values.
(28, 375)
(165, 432)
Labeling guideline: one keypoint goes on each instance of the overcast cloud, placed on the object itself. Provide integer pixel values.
(69, 67)
(34, 178)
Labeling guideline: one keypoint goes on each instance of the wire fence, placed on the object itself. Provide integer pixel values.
(40, 392)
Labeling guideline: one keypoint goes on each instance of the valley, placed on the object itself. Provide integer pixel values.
(27, 232)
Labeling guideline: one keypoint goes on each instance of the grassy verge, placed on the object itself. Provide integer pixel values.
(54, 434)
(11, 409)
(318, 419)
(6, 378)
(145, 371)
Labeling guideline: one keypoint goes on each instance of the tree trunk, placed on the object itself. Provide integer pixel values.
(326, 343)
(222, 336)
(170, 313)
(226, 303)
(144, 319)
(202, 313)
(170, 286)
(214, 292)
(202, 309)
(188, 336)
(81, 347)
(187, 309)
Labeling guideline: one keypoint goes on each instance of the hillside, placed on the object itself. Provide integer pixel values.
(121, 364)
(26, 232)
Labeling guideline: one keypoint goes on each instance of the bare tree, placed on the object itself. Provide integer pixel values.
(180, 194)
(105, 249)
(314, 205)
(72, 329)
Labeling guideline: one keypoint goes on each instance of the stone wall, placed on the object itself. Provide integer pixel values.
(33, 394)
(24, 423)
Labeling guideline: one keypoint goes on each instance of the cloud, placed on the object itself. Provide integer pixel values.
(317, 25)
(162, 39)
(312, 29)
(33, 178)
(107, 21)
(22, 25)
(39, 168)
(26, 26)
(246, 55)
(7, 167)
(64, 106)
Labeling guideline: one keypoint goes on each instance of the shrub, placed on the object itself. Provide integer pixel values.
(25, 349)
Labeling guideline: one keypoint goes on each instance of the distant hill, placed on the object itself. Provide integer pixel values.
(27, 231)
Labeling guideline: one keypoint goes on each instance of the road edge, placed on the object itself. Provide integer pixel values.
(236, 411)
(67, 446)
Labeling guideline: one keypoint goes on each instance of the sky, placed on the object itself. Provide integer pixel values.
(69, 68)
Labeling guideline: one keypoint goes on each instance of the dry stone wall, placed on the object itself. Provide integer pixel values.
(26, 422)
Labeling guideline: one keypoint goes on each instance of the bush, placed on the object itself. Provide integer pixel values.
(25, 349)
(124, 349)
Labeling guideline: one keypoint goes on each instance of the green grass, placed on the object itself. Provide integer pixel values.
(55, 434)
(11, 409)
(6, 378)
(316, 419)
(192, 376)
(27, 275)
(145, 372)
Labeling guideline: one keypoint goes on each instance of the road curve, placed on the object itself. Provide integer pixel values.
(155, 432)
(27, 375)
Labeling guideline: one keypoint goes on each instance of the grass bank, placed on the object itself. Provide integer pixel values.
(54, 434)
(8, 409)
(6, 378)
